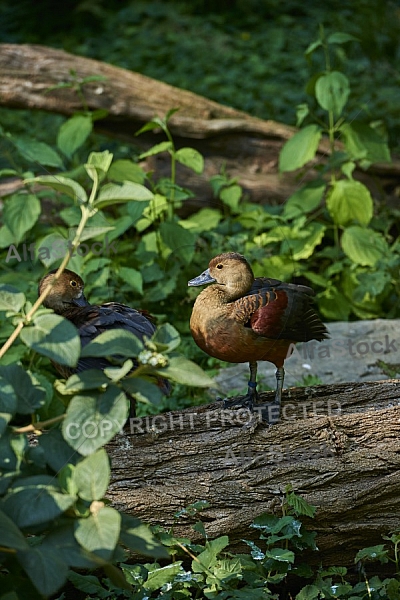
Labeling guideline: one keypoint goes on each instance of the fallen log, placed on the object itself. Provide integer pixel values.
(246, 146)
(338, 446)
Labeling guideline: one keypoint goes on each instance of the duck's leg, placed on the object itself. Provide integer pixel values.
(272, 411)
(251, 397)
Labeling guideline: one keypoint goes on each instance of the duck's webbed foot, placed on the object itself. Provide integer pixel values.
(246, 401)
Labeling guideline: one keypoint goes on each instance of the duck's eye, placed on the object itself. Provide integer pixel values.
(73, 283)
(220, 266)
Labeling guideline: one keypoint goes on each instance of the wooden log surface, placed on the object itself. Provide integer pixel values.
(336, 445)
(246, 146)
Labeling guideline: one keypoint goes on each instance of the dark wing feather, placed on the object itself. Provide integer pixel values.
(279, 310)
(93, 320)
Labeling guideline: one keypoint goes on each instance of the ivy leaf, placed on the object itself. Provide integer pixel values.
(73, 133)
(55, 337)
(300, 149)
(21, 212)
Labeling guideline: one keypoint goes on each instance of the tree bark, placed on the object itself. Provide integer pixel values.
(338, 446)
(246, 146)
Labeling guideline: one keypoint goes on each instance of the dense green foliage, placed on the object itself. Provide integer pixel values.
(208, 47)
(128, 240)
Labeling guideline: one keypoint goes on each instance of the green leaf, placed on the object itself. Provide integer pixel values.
(231, 195)
(334, 305)
(21, 212)
(92, 476)
(185, 371)
(302, 111)
(45, 567)
(167, 337)
(73, 133)
(57, 452)
(161, 147)
(92, 421)
(364, 142)
(332, 91)
(113, 193)
(133, 278)
(126, 170)
(20, 384)
(301, 506)
(208, 557)
(179, 240)
(205, 219)
(35, 500)
(162, 576)
(54, 337)
(190, 158)
(364, 246)
(11, 536)
(11, 299)
(300, 149)
(349, 201)
(313, 46)
(341, 38)
(309, 592)
(99, 533)
(66, 186)
(281, 555)
(91, 379)
(98, 164)
(302, 247)
(138, 537)
(37, 152)
(304, 200)
(114, 342)
(143, 390)
(372, 553)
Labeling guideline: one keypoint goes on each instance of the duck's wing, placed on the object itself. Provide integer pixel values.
(279, 310)
(93, 320)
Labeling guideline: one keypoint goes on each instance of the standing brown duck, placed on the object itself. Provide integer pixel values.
(243, 319)
(67, 298)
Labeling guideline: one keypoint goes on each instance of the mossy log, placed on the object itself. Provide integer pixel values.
(248, 147)
(338, 446)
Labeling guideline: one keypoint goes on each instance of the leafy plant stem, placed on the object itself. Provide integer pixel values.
(39, 425)
(86, 214)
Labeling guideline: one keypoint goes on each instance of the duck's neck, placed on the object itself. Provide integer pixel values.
(217, 295)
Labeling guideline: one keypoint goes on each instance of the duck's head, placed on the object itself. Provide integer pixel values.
(230, 272)
(65, 293)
